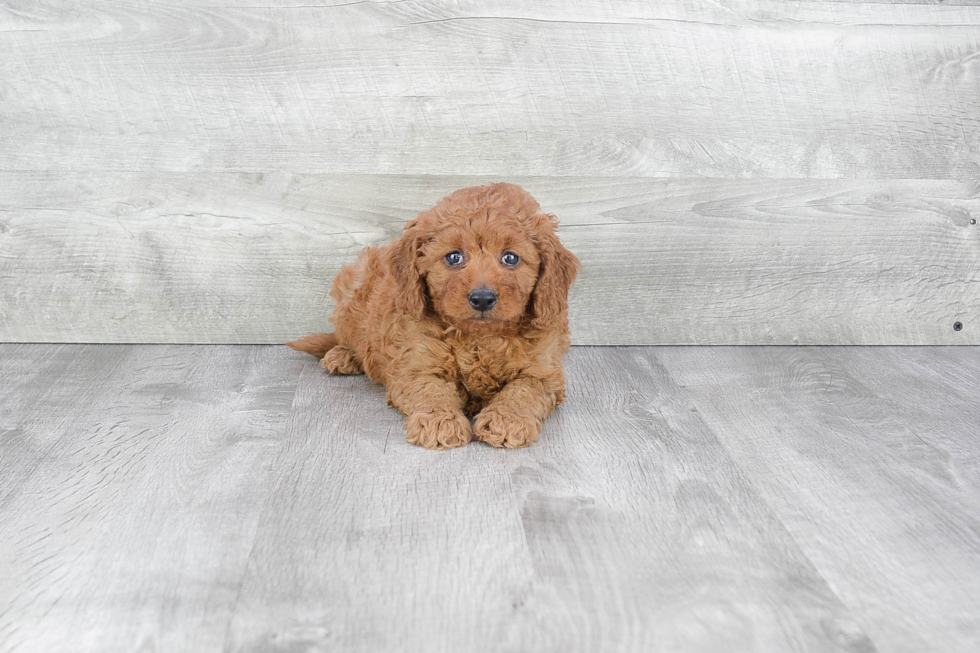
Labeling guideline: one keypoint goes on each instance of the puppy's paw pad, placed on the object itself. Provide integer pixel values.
(341, 360)
(508, 431)
(443, 430)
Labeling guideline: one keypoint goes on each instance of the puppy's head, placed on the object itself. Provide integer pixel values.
(485, 259)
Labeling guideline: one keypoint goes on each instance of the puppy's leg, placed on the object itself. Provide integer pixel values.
(334, 357)
(513, 417)
(342, 360)
(315, 344)
(434, 410)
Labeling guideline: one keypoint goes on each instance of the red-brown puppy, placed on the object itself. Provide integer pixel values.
(466, 315)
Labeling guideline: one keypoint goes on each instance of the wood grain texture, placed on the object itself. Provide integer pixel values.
(735, 172)
(131, 481)
(869, 457)
(755, 88)
(625, 528)
(693, 499)
(249, 258)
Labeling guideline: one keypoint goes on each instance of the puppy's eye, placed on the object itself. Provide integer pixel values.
(454, 258)
(510, 259)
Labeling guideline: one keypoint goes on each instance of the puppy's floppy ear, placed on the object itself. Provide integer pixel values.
(559, 267)
(402, 262)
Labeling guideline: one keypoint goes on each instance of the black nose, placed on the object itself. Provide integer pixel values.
(482, 299)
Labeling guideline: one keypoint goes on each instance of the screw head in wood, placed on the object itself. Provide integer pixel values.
(973, 220)
(957, 326)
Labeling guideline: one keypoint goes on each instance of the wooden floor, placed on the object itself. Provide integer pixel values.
(235, 498)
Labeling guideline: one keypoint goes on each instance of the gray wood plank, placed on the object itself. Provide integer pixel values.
(771, 499)
(146, 469)
(935, 393)
(626, 527)
(869, 457)
(758, 88)
(240, 258)
(44, 391)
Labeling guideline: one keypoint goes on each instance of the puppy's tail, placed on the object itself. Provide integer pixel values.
(315, 344)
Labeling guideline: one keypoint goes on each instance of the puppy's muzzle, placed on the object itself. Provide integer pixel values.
(482, 299)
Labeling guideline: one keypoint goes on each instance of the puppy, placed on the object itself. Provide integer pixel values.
(465, 316)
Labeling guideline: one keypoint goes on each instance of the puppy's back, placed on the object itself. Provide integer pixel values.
(358, 278)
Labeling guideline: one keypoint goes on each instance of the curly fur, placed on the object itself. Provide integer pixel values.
(402, 316)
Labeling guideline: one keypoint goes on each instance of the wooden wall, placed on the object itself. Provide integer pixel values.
(733, 172)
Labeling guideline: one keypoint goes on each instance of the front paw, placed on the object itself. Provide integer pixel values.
(505, 430)
(442, 430)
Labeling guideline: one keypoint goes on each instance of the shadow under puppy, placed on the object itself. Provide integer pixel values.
(466, 315)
